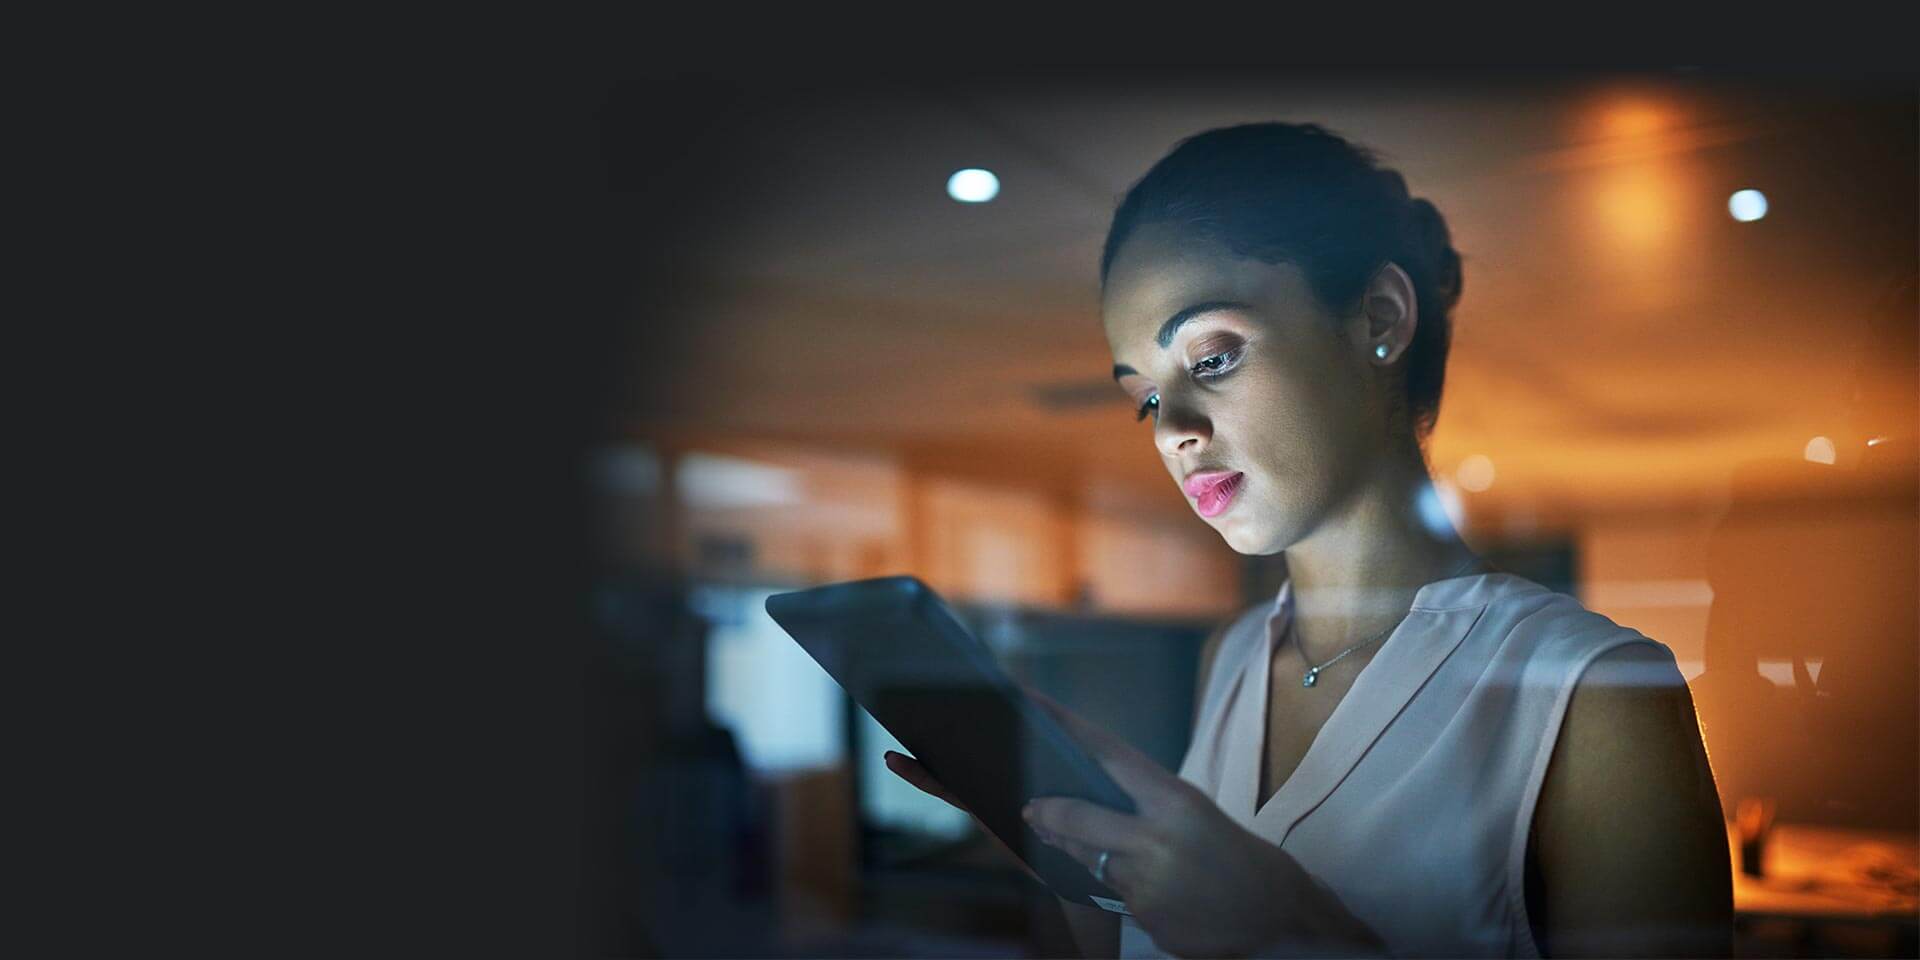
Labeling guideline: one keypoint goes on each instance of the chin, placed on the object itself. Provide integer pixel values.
(1247, 540)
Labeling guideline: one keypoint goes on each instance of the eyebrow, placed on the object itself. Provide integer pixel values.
(1165, 337)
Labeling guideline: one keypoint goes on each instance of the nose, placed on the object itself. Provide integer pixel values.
(1182, 431)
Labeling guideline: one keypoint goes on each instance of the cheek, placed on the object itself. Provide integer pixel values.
(1286, 431)
(1268, 416)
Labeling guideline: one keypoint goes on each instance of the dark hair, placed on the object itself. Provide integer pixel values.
(1301, 194)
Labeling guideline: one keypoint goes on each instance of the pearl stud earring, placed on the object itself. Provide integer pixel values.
(1380, 351)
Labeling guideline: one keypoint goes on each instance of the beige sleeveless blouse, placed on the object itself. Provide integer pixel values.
(1414, 801)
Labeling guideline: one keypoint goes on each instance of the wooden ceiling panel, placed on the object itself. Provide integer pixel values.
(1621, 338)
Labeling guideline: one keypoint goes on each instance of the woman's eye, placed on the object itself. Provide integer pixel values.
(1217, 363)
(1209, 367)
(1153, 403)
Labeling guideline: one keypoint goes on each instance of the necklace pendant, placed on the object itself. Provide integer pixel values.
(1312, 677)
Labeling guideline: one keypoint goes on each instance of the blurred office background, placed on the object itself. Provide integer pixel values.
(1682, 388)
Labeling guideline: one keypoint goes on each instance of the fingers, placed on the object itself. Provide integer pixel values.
(910, 770)
(1086, 853)
(1087, 824)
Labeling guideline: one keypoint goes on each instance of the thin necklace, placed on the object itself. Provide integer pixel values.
(1312, 676)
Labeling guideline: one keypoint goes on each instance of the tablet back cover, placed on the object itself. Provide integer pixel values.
(900, 652)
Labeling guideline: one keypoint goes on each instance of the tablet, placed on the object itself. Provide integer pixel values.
(898, 649)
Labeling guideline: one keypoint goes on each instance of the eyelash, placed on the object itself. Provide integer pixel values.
(1153, 402)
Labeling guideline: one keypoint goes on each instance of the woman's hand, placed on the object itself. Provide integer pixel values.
(1199, 883)
(910, 770)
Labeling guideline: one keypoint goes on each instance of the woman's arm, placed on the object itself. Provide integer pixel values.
(1632, 845)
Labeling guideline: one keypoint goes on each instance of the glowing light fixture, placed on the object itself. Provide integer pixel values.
(1632, 119)
(711, 481)
(1475, 473)
(1747, 205)
(973, 185)
(1819, 450)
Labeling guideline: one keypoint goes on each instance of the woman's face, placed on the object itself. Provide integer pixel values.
(1253, 378)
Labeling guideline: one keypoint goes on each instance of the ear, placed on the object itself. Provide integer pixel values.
(1389, 314)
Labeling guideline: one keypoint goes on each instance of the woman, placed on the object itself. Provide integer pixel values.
(1406, 752)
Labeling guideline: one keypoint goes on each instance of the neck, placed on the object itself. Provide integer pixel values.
(1356, 575)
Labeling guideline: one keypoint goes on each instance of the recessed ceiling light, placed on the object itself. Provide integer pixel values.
(1747, 205)
(973, 185)
(1475, 473)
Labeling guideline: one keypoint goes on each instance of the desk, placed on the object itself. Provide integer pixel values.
(1819, 878)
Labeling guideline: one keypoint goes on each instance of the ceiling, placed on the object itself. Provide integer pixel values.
(1622, 342)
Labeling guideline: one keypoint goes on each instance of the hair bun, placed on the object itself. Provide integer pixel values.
(1432, 245)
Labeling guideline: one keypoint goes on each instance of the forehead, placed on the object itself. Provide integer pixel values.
(1158, 273)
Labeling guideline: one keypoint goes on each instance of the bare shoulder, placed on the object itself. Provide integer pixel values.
(1632, 849)
(1621, 684)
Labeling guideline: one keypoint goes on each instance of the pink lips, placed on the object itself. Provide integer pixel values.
(1214, 490)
